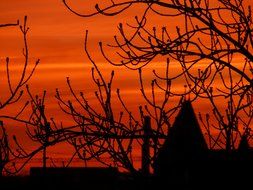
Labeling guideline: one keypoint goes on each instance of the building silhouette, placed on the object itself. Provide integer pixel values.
(186, 160)
(183, 162)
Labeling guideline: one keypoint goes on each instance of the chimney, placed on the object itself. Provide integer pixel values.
(145, 146)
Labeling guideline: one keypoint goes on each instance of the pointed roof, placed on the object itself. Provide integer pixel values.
(186, 131)
(185, 139)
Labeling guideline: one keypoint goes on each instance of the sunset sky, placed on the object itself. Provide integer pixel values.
(56, 37)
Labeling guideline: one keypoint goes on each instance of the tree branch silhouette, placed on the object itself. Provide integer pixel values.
(211, 40)
(14, 92)
(102, 132)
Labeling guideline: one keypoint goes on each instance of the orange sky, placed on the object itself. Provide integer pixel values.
(56, 37)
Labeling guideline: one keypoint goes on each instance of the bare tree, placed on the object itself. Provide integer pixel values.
(4, 149)
(4, 143)
(216, 37)
(102, 132)
(41, 129)
(14, 92)
(232, 121)
(209, 31)
(212, 39)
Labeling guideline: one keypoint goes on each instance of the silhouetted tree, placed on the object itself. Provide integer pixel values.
(205, 45)
(212, 46)
(13, 93)
(4, 149)
(101, 132)
(233, 121)
(42, 130)
(15, 90)
(4, 142)
(210, 31)
(212, 38)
